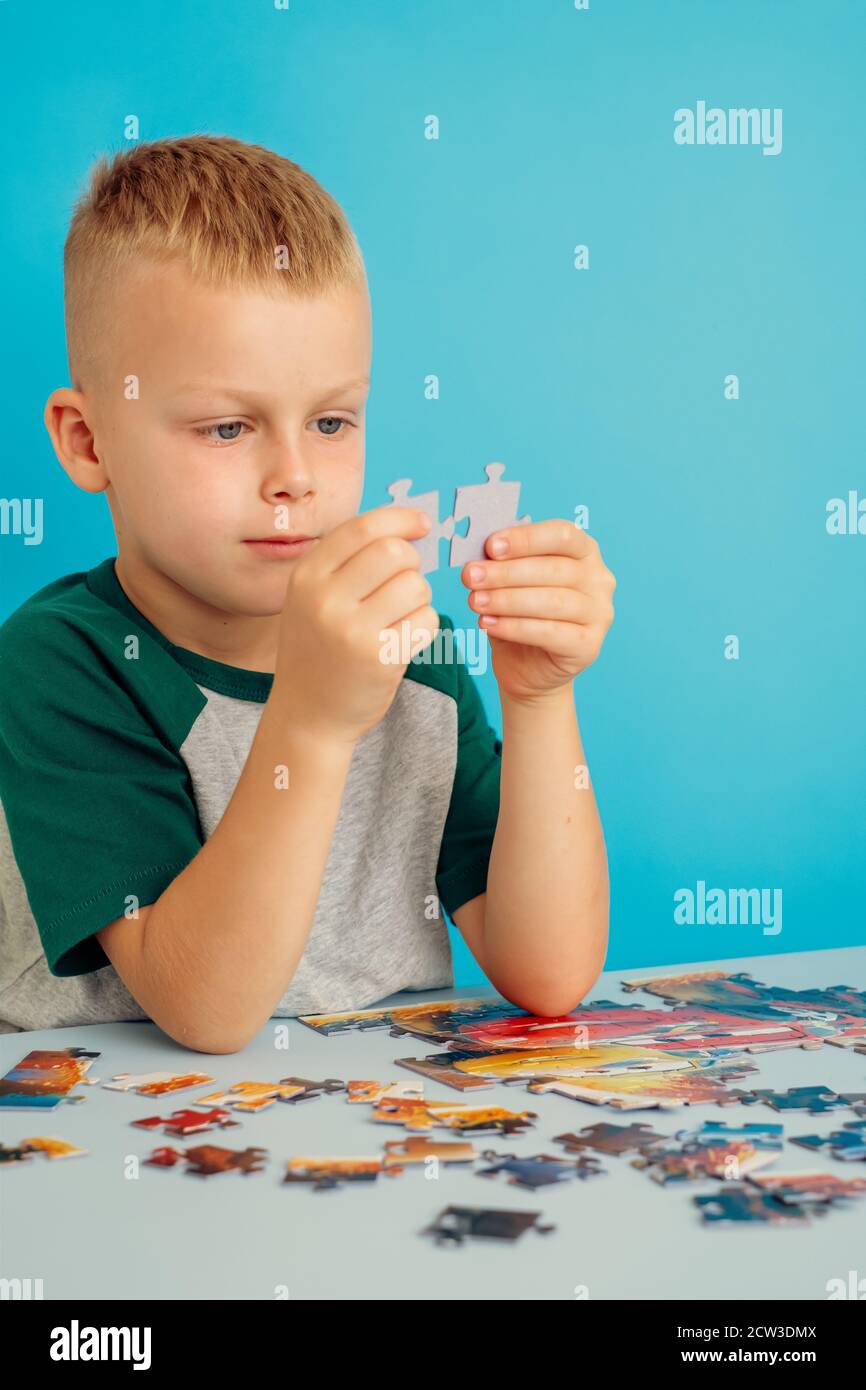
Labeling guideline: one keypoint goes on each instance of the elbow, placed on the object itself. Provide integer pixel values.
(561, 1002)
(216, 1049)
(213, 1045)
(552, 1005)
(220, 1045)
(551, 998)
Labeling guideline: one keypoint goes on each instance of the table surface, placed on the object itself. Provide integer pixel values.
(102, 1226)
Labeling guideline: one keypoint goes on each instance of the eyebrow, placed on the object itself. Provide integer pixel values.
(239, 391)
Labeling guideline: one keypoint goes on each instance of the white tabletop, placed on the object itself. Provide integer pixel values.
(107, 1226)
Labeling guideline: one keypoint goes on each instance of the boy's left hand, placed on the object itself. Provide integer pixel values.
(551, 597)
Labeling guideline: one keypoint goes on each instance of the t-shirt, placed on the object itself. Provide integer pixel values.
(119, 752)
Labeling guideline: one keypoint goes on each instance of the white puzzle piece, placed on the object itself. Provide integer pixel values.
(490, 506)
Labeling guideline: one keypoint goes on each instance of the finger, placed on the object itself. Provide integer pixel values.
(402, 594)
(556, 571)
(554, 537)
(561, 605)
(560, 639)
(364, 572)
(352, 535)
(410, 634)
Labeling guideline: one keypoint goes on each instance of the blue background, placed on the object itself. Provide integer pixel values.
(601, 387)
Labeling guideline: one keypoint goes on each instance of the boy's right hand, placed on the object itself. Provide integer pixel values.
(331, 678)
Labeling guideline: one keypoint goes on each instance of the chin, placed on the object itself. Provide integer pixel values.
(260, 605)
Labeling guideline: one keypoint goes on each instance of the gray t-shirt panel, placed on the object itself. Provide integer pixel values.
(378, 925)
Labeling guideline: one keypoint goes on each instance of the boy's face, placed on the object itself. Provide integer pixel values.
(248, 423)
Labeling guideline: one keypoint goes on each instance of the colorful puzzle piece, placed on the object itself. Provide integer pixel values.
(740, 1202)
(424, 1115)
(625, 1077)
(327, 1173)
(48, 1147)
(183, 1122)
(441, 1068)
(835, 1015)
(540, 1170)
(207, 1159)
(252, 1096)
(454, 1224)
(370, 1092)
(611, 1139)
(847, 1144)
(42, 1079)
(418, 1148)
(816, 1099)
(157, 1083)
(809, 1188)
(714, 1151)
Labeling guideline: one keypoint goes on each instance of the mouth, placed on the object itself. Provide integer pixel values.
(282, 546)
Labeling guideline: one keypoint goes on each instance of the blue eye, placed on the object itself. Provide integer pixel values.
(223, 425)
(334, 420)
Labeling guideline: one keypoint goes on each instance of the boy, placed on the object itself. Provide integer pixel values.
(222, 802)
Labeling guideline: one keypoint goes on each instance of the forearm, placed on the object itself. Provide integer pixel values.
(222, 943)
(547, 907)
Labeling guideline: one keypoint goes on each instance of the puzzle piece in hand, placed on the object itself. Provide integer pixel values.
(184, 1122)
(428, 502)
(206, 1159)
(327, 1173)
(454, 1224)
(540, 1170)
(490, 506)
(49, 1147)
(847, 1144)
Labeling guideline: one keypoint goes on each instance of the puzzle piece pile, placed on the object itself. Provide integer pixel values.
(625, 1056)
(490, 506)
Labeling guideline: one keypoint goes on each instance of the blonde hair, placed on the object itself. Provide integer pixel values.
(231, 212)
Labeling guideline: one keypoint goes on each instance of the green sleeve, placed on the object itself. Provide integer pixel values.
(474, 808)
(97, 798)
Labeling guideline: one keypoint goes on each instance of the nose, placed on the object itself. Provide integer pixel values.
(288, 472)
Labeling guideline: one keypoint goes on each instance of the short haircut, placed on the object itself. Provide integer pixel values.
(234, 214)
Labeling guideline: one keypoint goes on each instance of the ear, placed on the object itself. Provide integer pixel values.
(65, 417)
